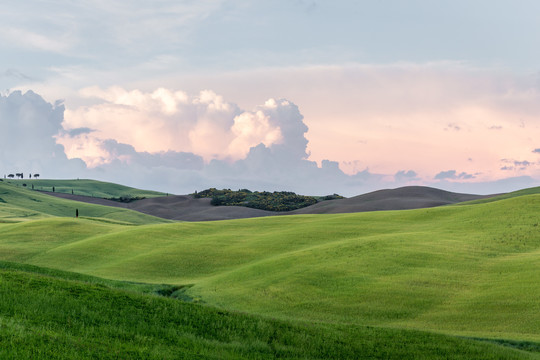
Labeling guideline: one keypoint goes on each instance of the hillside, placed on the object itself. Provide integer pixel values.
(176, 207)
(85, 187)
(460, 270)
(364, 282)
(188, 208)
(19, 203)
(48, 314)
(529, 191)
(404, 198)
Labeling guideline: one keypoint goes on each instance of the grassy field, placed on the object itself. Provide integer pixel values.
(84, 187)
(529, 191)
(467, 270)
(47, 314)
(19, 203)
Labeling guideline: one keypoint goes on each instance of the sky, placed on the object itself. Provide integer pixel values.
(316, 97)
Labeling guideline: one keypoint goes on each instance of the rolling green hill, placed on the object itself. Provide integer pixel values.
(465, 270)
(19, 203)
(47, 314)
(528, 191)
(84, 187)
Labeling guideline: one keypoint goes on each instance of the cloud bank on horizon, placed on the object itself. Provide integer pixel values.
(278, 164)
(246, 161)
(344, 96)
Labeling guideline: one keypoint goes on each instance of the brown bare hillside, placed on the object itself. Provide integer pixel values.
(176, 207)
(186, 208)
(404, 198)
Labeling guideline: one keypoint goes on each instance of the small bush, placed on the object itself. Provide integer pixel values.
(332, 197)
(126, 198)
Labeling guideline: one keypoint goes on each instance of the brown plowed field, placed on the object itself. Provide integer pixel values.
(186, 208)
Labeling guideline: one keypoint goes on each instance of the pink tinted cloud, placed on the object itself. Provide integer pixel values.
(426, 117)
(165, 120)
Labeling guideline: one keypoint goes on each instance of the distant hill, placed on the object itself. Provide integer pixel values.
(523, 192)
(177, 207)
(404, 198)
(187, 208)
(86, 187)
(20, 203)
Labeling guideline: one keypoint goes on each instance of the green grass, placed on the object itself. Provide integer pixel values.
(47, 314)
(84, 187)
(529, 191)
(461, 270)
(22, 204)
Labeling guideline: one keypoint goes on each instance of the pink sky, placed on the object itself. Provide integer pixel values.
(432, 118)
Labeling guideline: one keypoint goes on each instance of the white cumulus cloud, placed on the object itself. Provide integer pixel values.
(27, 142)
(167, 120)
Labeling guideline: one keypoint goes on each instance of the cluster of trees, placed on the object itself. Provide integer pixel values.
(272, 201)
(124, 198)
(21, 176)
(332, 197)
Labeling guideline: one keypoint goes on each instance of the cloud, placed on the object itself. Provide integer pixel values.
(162, 120)
(33, 127)
(14, 73)
(167, 120)
(403, 175)
(264, 168)
(197, 141)
(177, 160)
(29, 125)
(269, 143)
(32, 40)
(522, 163)
(453, 126)
(71, 27)
(516, 165)
(79, 131)
(450, 174)
(453, 175)
(251, 129)
(537, 151)
(406, 104)
(489, 187)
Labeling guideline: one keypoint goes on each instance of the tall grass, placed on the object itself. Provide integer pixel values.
(53, 315)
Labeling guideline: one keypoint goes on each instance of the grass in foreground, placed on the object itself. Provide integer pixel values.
(47, 314)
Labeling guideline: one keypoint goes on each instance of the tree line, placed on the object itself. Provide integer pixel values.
(21, 176)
